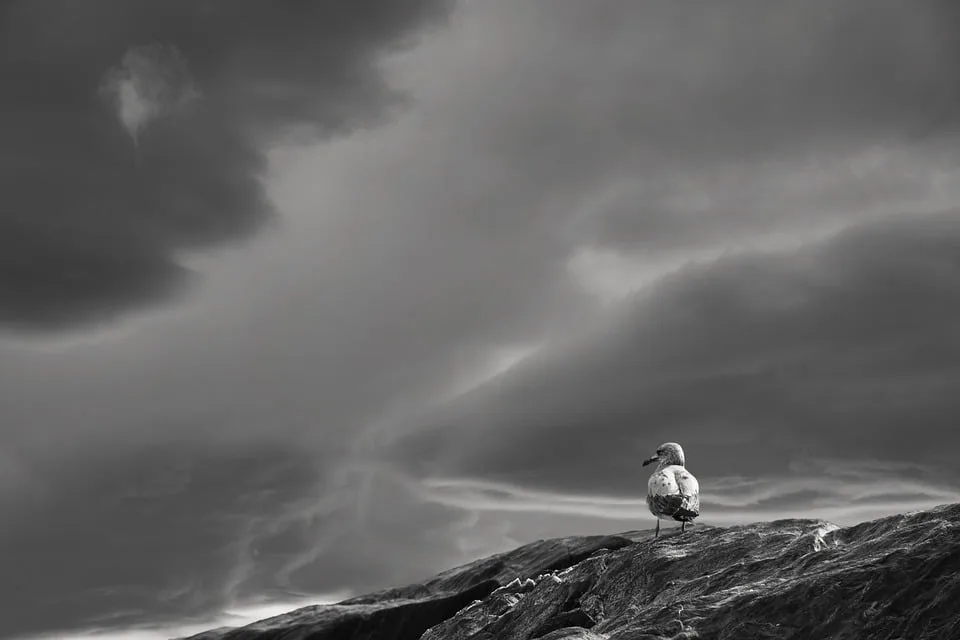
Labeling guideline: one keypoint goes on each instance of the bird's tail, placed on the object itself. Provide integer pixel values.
(685, 515)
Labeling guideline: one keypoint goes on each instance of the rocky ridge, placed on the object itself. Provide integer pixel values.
(897, 578)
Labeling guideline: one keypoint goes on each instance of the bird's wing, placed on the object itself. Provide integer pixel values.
(689, 488)
(686, 483)
(673, 506)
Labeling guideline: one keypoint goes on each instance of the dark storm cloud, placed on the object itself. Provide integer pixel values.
(584, 126)
(846, 348)
(134, 131)
(765, 76)
(634, 110)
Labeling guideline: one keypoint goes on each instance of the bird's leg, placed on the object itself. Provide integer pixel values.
(657, 534)
(683, 526)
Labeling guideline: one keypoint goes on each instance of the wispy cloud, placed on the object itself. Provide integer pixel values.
(150, 82)
(497, 362)
(842, 492)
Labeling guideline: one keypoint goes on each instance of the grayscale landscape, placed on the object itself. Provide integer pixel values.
(303, 301)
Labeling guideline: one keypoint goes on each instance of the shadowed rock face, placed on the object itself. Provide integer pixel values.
(405, 613)
(898, 577)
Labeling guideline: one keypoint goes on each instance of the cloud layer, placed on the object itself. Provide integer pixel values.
(135, 131)
(845, 347)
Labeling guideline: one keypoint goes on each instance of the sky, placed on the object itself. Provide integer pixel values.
(303, 300)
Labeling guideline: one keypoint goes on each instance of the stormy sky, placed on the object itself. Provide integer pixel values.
(305, 299)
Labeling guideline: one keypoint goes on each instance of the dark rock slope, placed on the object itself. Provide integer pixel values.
(894, 578)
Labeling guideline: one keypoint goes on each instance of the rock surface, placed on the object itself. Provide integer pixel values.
(889, 579)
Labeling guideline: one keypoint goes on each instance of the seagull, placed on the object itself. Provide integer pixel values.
(672, 491)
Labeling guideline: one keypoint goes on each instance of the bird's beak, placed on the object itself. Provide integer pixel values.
(649, 460)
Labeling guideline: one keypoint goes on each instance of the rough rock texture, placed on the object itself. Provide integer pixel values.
(894, 578)
(405, 613)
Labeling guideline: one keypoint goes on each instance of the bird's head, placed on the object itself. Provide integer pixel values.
(668, 453)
